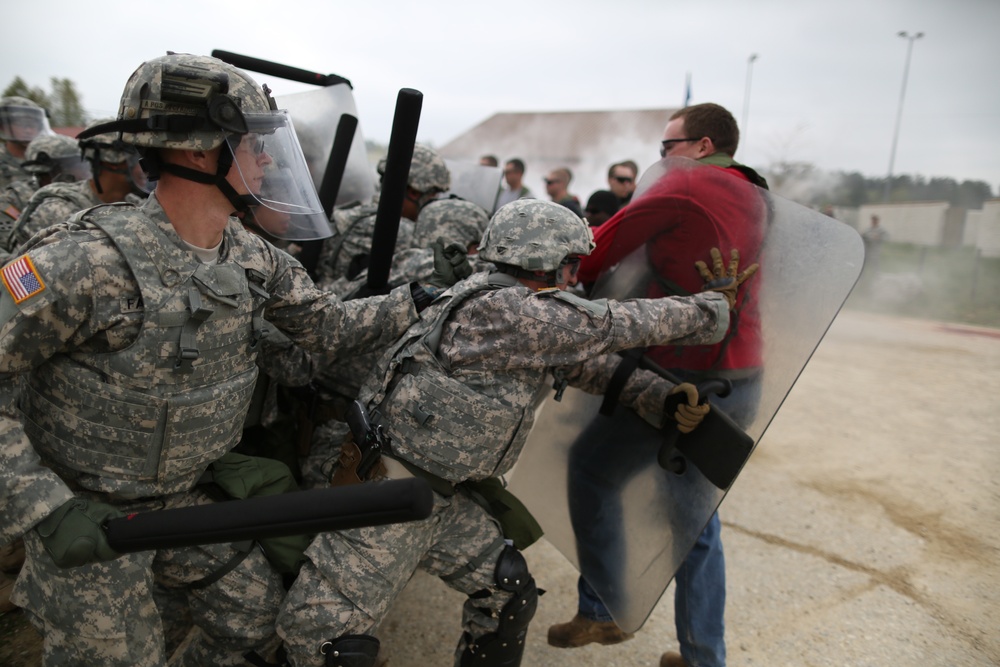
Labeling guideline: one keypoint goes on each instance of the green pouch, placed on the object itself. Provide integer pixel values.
(516, 521)
(239, 477)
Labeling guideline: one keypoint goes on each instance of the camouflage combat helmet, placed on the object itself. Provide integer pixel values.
(199, 103)
(535, 235)
(455, 220)
(106, 147)
(22, 120)
(428, 172)
(45, 151)
(188, 102)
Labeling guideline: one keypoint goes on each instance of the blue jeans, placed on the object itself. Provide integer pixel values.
(700, 582)
(699, 600)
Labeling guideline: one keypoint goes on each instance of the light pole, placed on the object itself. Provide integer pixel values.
(899, 113)
(746, 100)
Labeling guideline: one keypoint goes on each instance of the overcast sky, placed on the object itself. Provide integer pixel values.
(824, 89)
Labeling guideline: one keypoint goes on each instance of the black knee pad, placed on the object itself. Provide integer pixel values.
(350, 651)
(505, 647)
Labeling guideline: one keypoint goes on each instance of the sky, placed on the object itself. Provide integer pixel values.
(824, 88)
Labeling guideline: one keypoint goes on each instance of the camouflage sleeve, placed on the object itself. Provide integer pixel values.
(644, 392)
(286, 363)
(700, 319)
(32, 329)
(320, 322)
(514, 328)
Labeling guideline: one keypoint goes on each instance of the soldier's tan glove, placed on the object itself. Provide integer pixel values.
(74, 534)
(690, 414)
(723, 280)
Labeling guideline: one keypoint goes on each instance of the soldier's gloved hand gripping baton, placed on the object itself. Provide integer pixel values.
(294, 513)
(717, 446)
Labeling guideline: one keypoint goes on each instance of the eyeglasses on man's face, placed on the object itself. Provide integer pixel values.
(668, 144)
(623, 179)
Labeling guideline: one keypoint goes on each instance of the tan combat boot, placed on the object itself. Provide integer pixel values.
(672, 659)
(582, 631)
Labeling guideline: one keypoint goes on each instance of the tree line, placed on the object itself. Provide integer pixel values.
(808, 185)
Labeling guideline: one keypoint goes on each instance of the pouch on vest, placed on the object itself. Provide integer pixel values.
(515, 519)
(455, 430)
(239, 477)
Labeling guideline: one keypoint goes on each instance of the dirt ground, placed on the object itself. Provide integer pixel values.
(865, 529)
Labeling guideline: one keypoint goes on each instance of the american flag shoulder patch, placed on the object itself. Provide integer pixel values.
(21, 279)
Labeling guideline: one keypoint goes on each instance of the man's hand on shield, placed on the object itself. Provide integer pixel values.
(721, 279)
(689, 415)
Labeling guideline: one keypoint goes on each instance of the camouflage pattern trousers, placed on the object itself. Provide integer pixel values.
(353, 576)
(105, 614)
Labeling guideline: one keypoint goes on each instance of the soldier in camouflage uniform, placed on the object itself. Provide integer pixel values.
(112, 179)
(50, 158)
(444, 223)
(457, 396)
(21, 120)
(134, 332)
(345, 254)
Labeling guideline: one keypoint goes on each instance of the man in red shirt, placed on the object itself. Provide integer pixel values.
(687, 210)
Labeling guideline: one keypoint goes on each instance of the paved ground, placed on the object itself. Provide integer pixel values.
(864, 531)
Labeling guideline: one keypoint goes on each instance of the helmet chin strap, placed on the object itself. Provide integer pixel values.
(241, 203)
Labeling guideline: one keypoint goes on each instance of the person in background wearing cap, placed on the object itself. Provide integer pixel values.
(601, 205)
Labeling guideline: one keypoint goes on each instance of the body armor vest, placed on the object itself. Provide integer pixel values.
(436, 422)
(148, 419)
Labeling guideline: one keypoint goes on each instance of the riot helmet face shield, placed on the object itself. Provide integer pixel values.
(69, 170)
(271, 175)
(20, 124)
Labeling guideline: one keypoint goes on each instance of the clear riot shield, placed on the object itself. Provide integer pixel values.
(475, 182)
(315, 114)
(593, 481)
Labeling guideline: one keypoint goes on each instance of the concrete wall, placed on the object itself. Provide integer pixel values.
(920, 223)
(982, 229)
